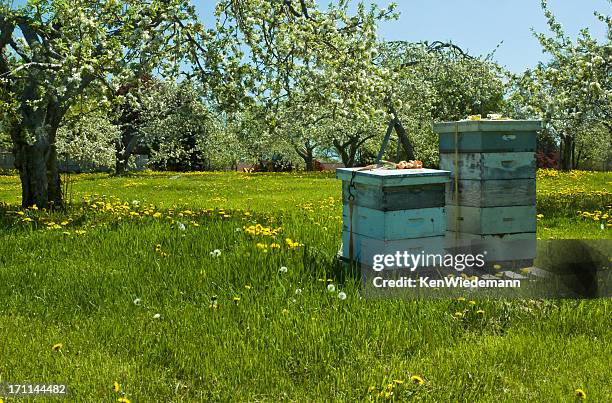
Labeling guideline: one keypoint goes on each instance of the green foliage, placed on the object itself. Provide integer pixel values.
(572, 92)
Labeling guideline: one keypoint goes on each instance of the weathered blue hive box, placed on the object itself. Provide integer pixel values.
(393, 210)
(491, 199)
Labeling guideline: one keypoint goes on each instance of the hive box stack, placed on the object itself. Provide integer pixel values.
(393, 210)
(492, 204)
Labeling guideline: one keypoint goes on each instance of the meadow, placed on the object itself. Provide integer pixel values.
(226, 287)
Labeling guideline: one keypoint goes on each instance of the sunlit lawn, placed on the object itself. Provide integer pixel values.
(165, 284)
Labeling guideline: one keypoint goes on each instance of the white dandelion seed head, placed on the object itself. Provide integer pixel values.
(602, 227)
(156, 316)
(137, 301)
(341, 296)
(181, 226)
(135, 202)
(215, 253)
(331, 288)
(283, 269)
(298, 291)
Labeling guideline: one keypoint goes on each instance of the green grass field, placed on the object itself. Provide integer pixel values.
(214, 286)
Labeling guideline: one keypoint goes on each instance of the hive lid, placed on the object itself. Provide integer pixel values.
(488, 126)
(394, 177)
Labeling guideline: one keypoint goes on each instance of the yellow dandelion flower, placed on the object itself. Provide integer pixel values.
(57, 347)
(398, 381)
(285, 311)
(472, 302)
(248, 287)
(371, 389)
(459, 314)
(236, 300)
(480, 312)
(540, 216)
(581, 394)
(123, 400)
(461, 299)
(116, 386)
(417, 379)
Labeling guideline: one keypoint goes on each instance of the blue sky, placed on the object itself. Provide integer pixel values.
(479, 25)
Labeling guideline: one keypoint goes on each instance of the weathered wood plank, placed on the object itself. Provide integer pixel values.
(491, 220)
(485, 166)
(492, 193)
(391, 198)
(488, 126)
(394, 177)
(364, 248)
(489, 142)
(392, 225)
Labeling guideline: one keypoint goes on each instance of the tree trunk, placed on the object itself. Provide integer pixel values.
(39, 172)
(307, 154)
(567, 148)
(125, 147)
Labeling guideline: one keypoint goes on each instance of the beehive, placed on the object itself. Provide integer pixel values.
(392, 210)
(491, 199)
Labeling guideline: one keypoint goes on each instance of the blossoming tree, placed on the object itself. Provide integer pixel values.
(53, 51)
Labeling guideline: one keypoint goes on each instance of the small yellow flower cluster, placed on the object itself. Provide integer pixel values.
(292, 244)
(259, 230)
(158, 250)
(391, 389)
(598, 216)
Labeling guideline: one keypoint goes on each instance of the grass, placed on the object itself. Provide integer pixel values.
(237, 327)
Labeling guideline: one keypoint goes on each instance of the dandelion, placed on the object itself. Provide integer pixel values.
(461, 299)
(135, 202)
(247, 286)
(341, 296)
(285, 311)
(236, 300)
(581, 394)
(156, 316)
(459, 314)
(116, 387)
(215, 253)
(298, 291)
(480, 312)
(540, 216)
(180, 226)
(472, 302)
(283, 269)
(57, 347)
(371, 389)
(398, 381)
(417, 379)
(137, 301)
(123, 400)
(331, 288)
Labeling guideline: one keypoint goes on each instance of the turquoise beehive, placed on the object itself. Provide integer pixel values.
(392, 210)
(491, 199)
